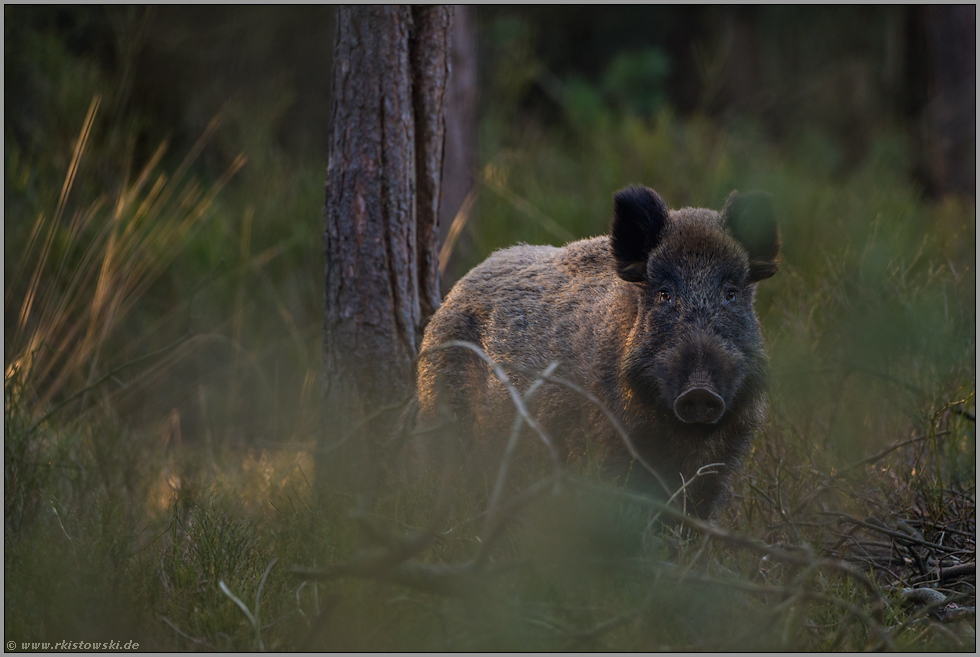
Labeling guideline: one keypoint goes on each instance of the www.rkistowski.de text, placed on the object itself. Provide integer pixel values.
(72, 645)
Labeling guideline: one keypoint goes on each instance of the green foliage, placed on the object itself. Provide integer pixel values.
(636, 81)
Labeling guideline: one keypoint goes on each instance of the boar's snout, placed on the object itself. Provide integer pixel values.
(700, 378)
(699, 405)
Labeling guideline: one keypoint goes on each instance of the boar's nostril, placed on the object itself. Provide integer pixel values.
(699, 405)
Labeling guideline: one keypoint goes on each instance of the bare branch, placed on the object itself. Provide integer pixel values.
(620, 431)
(509, 451)
(503, 378)
(955, 572)
(882, 454)
(888, 532)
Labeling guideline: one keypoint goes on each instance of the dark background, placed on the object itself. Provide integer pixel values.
(848, 72)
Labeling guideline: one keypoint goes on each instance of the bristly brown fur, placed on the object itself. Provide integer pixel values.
(640, 319)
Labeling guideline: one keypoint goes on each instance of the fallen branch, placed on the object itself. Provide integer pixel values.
(955, 572)
(888, 532)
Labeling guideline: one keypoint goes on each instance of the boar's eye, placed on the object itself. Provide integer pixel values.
(730, 295)
(663, 296)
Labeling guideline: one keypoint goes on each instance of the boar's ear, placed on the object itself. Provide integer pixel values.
(639, 218)
(751, 220)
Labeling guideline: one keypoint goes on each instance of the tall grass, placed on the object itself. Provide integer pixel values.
(109, 256)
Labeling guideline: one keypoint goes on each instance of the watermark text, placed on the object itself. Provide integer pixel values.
(72, 645)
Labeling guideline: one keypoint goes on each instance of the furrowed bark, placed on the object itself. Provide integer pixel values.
(380, 226)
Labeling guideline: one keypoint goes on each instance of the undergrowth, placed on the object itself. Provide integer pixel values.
(160, 394)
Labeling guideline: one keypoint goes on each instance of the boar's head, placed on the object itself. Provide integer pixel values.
(695, 350)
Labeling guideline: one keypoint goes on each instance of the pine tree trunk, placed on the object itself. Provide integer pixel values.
(381, 235)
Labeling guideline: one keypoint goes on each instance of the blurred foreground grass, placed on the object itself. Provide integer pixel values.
(169, 496)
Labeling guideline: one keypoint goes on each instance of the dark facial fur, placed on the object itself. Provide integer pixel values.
(701, 344)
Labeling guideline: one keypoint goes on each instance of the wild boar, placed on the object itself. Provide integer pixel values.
(655, 320)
